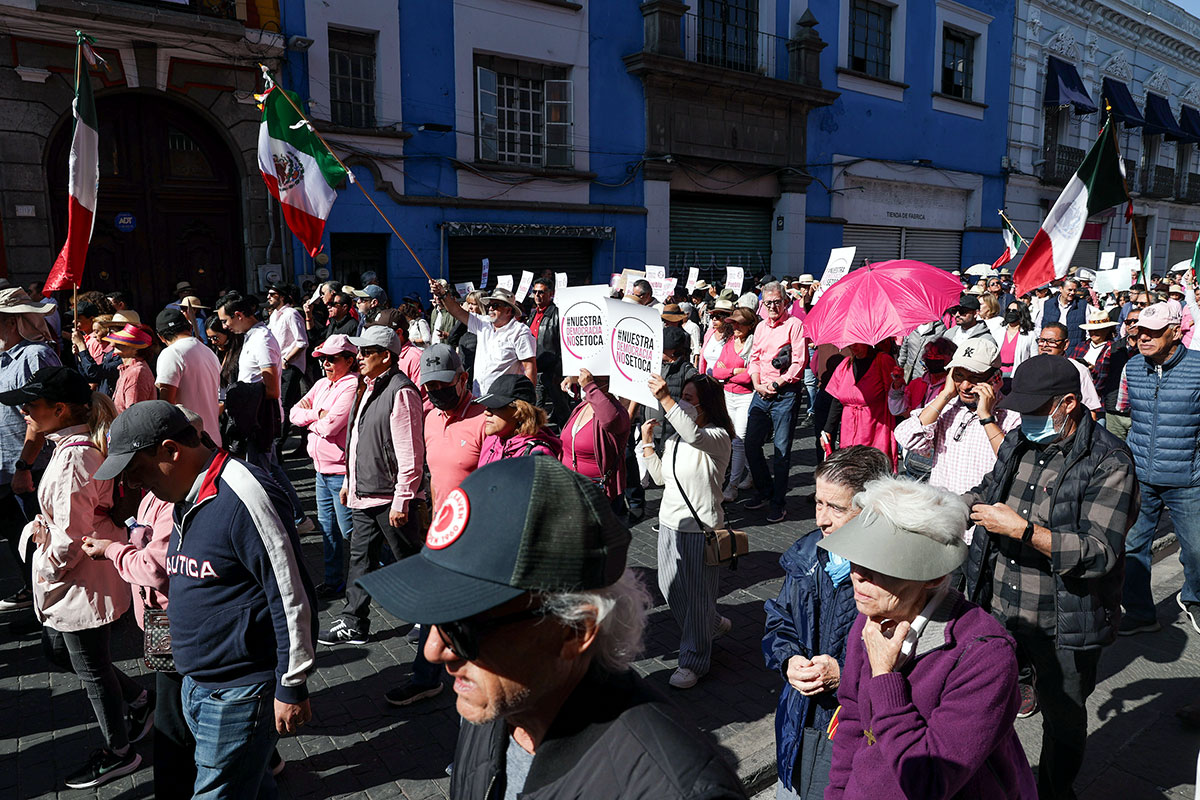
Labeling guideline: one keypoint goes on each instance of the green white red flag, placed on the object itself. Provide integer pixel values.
(1012, 243)
(297, 167)
(1099, 183)
(83, 177)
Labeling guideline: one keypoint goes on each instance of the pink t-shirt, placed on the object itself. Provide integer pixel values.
(579, 450)
(1008, 350)
(453, 440)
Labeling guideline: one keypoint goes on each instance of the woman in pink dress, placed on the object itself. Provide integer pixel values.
(858, 412)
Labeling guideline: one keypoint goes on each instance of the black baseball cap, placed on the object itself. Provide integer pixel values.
(54, 384)
(1037, 380)
(518, 525)
(968, 302)
(506, 389)
(171, 320)
(142, 425)
(676, 339)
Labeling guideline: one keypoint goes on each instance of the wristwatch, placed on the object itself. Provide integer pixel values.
(775, 385)
(986, 420)
(22, 465)
(1027, 536)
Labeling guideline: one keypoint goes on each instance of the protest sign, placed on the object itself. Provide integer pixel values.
(560, 281)
(1119, 279)
(838, 266)
(583, 311)
(483, 279)
(504, 282)
(464, 289)
(635, 342)
(1107, 260)
(693, 278)
(733, 279)
(653, 272)
(523, 286)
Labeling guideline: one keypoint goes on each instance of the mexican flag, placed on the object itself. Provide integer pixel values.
(298, 169)
(83, 177)
(1099, 183)
(1012, 243)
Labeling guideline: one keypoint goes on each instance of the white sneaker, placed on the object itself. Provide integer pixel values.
(684, 678)
(724, 625)
(730, 494)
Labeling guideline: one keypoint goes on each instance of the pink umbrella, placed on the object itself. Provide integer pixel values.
(879, 301)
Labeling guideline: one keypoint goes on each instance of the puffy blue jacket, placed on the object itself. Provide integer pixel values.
(1164, 432)
(810, 617)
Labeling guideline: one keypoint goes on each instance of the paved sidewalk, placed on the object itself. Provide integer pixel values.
(358, 747)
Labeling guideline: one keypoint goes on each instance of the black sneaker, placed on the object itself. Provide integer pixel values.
(141, 719)
(21, 599)
(411, 693)
(341, 633)
(414, 634)
(1132, 625)
(756, 503)
(1191, 610)
(1029, 701)
(327, 592)
(102, 767)
(777, 516)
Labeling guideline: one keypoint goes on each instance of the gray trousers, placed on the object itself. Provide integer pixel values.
(691, 591)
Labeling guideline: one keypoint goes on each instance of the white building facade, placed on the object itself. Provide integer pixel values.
(1070, 59)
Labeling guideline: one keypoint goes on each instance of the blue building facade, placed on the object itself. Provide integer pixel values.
(501, 130)
(908, 161)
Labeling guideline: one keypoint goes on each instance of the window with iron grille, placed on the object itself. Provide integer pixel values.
(958, 63)
(523, 113)
(728, 33)
(352, 78)
(871, 38)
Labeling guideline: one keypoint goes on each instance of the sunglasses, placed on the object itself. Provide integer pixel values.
(372, 351)
(463, 636)
(325, 359)
(1050, 341)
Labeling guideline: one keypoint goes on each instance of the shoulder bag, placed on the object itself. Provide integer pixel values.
(156, 637)
(720, 546)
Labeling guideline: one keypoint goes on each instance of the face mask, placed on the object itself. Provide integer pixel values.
(687, 408)
(1012, 317)
(444, 398)
(837, 568)
(926, 328)
(1038, 429)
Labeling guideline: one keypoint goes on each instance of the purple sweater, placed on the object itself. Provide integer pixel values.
(942, 726)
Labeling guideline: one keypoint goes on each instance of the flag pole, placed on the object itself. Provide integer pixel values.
(78, 74)
(1124, 185)
(350, 175)
(1024, 241)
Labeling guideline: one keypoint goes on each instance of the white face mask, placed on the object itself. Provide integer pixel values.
(926, 328)
(687, 408)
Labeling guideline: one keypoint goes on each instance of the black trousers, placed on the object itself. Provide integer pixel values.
(372, 532)
(15, 511)
(174, 746)
(290, 392)
(1065, 680)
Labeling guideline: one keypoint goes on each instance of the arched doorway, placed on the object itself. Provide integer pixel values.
(169, 206)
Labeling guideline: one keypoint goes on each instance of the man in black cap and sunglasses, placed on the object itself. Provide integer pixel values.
(536, 618)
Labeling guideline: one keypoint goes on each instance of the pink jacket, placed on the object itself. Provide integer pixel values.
(327, 444)
(143, 561)
(543, 442)
(610, 431)
(730, 360)
(72, 592)
(135, 383)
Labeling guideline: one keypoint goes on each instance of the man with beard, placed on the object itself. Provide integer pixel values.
(505, 344)
(961, 429)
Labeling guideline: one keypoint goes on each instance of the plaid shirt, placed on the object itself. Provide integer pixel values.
(1023, 582)
(958, 444)
(1099, 370)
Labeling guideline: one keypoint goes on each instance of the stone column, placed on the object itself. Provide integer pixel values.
(787, 242)
(657, 195)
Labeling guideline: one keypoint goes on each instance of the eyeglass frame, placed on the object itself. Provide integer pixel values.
(462, 637)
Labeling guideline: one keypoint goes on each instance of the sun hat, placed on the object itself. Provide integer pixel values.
(520, 525)
(506, 390)
(1097, 322)
(1159, 316)
(130, 336)
(501, 295)
(183, 286)
(335, 344)
(871, 540)
(377, 336)
(806, 279)
(1176, 289)
(191, 301)
(142, 425)
(671, 312)
(126, 317)
(55, 384)
(1039, 379)
(701, 285)
(16, 301)
(440, 363)
(976, 355)
(722, 306)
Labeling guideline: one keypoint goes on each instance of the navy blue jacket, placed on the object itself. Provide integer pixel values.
(1164, 429)
(241, 607)
(1076, 315)
(810, 617)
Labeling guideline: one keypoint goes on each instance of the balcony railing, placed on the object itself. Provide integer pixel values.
(1189, 187)
(723, 44)
(1158, 181)
(1061, 163)
(219, 9)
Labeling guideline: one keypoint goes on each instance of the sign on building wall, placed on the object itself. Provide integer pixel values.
(867, 201)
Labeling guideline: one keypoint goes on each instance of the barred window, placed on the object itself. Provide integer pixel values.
(958, 63)
(524, 113)
(352, 78)
(871, 38)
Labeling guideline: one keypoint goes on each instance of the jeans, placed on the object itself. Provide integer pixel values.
(334, 519)
(235, 735)
(290, 391)
(774, 418)
(174, 745)
(372, 531)
(810, 383)
(109, 689)
(268, 463)
(1184, 506)
(1065, 679)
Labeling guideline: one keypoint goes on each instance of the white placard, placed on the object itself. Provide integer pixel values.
(733, 279)
(662, 288)
(838, 266)
(1114, 280)
(693, 278)
(560, 281)
(582, 329)
(464, 289)
(615, 281)
(504, 282)
(1108, 260)
(523, 286)
(1129, 265)
(653, 272)
(486, 264)
(635, 343)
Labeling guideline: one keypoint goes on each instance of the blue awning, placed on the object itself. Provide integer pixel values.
(1123, 107)
(1160, 120)
(1065, 88)
(1189, 120)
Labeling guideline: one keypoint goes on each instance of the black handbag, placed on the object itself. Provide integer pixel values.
(156, 637)
(783, 358)
(720, 546)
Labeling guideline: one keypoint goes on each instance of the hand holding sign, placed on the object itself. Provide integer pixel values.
(635, 336)
(523, 287)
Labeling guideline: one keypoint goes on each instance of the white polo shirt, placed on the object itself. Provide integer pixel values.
(499, 351)
(287, 326)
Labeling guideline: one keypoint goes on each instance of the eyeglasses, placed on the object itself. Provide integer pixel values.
(539, 291)
(772, 302)
(1050, 341)
(463, 636)
(339, 303)
(371, 351)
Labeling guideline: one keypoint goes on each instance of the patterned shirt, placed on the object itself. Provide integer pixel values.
(17, 365)
(962, 454)
(1023, 582)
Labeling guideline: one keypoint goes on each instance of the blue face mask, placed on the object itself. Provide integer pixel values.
(1038, 429)
(837, 568)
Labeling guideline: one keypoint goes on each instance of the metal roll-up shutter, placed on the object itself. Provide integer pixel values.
(1087, 254)
(509, 255)
(714, 234)
(941, 249)
(874, 242)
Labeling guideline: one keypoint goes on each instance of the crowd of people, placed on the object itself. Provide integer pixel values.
(988, 490)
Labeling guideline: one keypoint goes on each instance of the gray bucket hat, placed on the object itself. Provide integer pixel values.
(871, 541)
(501, 295)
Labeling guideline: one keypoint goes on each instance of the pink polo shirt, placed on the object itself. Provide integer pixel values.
(768, 338)
(453, 440)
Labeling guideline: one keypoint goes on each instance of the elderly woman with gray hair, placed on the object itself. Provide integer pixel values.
(929, 692)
